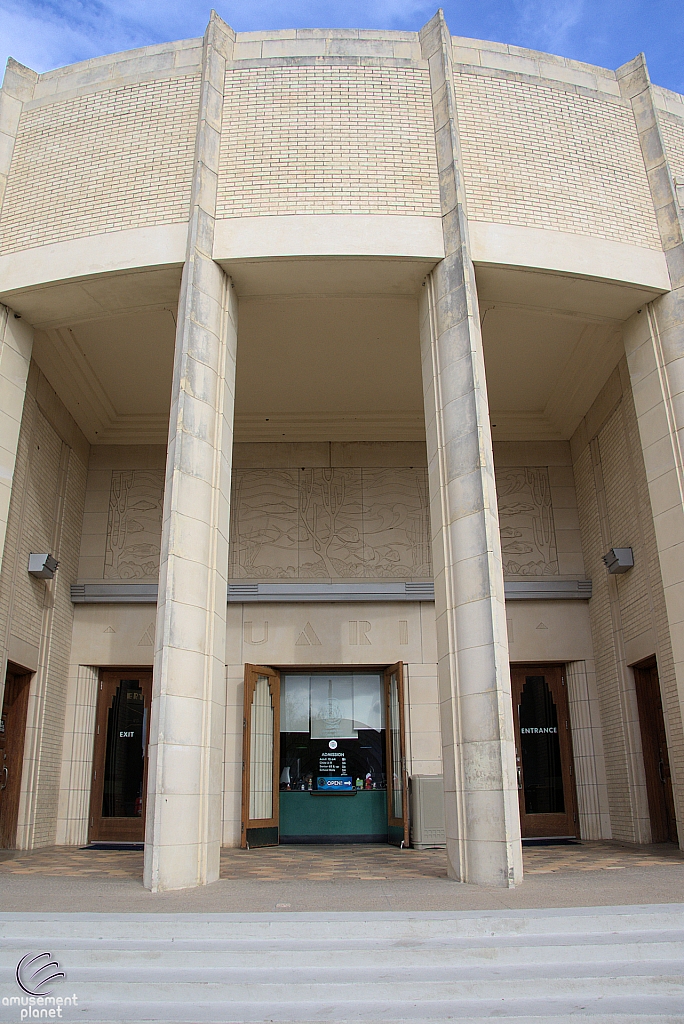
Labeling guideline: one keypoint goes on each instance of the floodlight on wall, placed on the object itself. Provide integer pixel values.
(43, 567)
(619, 560)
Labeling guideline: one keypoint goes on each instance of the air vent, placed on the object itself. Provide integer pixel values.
(421, 591)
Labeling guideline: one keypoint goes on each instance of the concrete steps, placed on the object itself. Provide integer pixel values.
(619, 965)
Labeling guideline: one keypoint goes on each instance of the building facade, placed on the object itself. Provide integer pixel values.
(342, 374)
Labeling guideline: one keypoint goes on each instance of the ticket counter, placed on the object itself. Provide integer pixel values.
(324, 757)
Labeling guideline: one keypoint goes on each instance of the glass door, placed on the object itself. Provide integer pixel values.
(397, 778)
(118, 794)
(546, 788)
(261, 757)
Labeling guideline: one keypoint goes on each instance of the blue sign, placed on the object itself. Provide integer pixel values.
(332, 783)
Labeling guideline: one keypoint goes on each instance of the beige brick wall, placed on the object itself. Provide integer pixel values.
(112, 159)
(544, 156)
(627, 612)
(309, 138)
(46, 511)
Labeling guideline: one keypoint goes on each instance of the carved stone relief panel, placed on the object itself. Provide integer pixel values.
(335, 523)
(528, 537)
(134, 524)
(264, 524)
(396, 523)
(330, 524)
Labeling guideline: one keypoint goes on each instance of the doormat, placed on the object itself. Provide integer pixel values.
(553, 841)
(114, 846)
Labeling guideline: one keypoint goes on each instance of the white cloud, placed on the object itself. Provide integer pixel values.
(45, 34)
(547, 24)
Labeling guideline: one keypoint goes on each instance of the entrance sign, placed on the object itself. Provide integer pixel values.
(397, 778)
(261, 757)
(541, 720)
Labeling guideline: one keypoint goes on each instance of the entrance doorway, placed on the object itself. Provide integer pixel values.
(656, 760)
(117, 801)
(546, 786)
(12, 735)
(324, 757)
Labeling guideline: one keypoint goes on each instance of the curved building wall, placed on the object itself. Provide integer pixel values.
(330, 122)
(339, 138)
(540, 154)
(102, 156)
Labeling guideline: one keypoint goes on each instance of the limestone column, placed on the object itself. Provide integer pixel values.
(16, 336)
(654, 345)
(183, 828)
(481, 798)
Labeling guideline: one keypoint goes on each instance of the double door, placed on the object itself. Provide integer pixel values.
(546, 785)
(261, 768)
(118, 794)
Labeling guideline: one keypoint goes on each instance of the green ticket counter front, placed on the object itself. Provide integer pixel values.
(356, 817)
(324, 757)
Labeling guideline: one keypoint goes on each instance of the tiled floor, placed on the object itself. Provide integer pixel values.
(335, 863)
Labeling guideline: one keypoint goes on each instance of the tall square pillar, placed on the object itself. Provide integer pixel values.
(480, 791)
(654, 346)
(183, 827)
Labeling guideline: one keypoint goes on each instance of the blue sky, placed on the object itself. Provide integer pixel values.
(46, 34)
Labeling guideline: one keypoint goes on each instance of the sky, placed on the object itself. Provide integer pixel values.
(46, 34)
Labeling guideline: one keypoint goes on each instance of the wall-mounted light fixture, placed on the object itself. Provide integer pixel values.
(43, 567)
(619, 560)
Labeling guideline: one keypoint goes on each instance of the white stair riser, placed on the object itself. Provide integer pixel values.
(575, 1011)
(290, 926)
(282, 958)
(200, 990)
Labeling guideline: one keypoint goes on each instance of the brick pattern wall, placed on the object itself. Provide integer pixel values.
(543, 157)
(641, 602)
(120, 158)
(673, 136)
(327, 139)
(46, 512)
(615, 745)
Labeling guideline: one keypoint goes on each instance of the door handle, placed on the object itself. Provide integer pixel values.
(660, 770)
(520, 783)
(5, 777)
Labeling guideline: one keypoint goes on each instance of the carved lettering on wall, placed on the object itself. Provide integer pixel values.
(134, 525)
(248, 632)
(528, 536)
(147, 639)
(358, 633)
(330, 524)
(307, 637)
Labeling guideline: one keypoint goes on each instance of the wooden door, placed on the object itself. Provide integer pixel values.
(546, 785)
(261, 758)
(12, 735)
(118, 794)
(656, 761)
(397, 778)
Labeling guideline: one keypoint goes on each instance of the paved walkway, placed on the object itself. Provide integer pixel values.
(341, 878)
